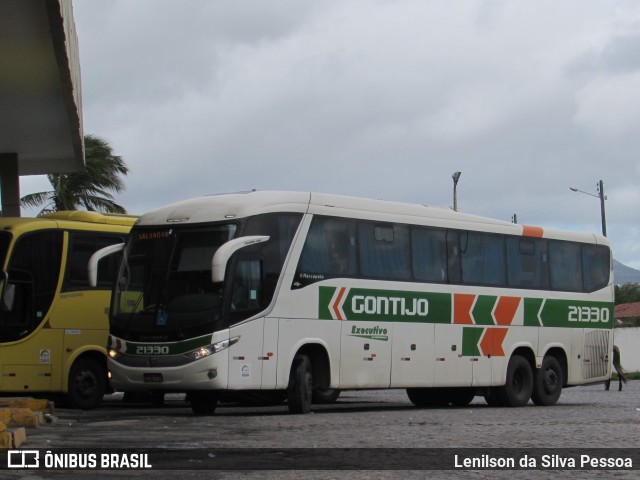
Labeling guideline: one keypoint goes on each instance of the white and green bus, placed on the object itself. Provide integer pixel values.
(308, 294)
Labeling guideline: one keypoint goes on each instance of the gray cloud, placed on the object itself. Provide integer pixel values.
(374, 98)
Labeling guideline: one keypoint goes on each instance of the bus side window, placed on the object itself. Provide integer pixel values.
(527, 264)
(340, 243)
(429, 254)
(281, 228)
(521, 262)
(81, 247)
(565, 263)
(483, 258)
(453, 256)
(329, 248)
(246, 289)
(384, 251)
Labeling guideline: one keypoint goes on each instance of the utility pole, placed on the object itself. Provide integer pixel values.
(602, 197)
(602, 215)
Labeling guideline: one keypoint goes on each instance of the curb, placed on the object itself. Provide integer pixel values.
(21, 412)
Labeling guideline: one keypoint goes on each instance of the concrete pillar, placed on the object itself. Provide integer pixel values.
(9, 185)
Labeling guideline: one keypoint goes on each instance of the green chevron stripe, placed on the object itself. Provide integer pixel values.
(482, 310)
(470, 340)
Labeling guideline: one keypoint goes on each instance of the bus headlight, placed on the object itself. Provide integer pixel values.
(202, 352)
(114, 354)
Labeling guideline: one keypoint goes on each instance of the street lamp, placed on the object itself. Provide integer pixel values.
(602, 198)
(456, 177)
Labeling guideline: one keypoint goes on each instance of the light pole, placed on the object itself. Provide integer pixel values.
(456, 177)
(602, 198)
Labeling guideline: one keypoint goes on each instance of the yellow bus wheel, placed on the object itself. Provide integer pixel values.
(87, 383)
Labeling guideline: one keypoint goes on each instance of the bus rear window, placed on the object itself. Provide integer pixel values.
(596, 263)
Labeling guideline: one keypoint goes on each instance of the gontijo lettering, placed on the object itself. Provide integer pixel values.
(389, 306)
(364, 304)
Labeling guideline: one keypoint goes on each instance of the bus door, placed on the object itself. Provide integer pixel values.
(28, 365)
(33, 345)
(245, 357)
(243, 300)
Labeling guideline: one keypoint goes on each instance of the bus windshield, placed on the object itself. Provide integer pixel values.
(164, 290)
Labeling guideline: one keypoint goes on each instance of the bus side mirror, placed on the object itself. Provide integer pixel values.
(223, 254)
(99, 255)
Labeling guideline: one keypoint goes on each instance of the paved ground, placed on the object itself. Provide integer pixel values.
(585, 417)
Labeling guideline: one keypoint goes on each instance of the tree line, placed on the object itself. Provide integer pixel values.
(627, 293)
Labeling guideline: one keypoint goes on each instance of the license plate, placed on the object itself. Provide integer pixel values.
(152, 377)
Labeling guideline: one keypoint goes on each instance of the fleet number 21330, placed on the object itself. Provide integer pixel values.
(152, 350)
(589, 314)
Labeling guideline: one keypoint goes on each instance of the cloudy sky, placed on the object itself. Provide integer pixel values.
(376, 98)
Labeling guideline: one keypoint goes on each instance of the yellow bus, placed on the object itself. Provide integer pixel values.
(53, 325)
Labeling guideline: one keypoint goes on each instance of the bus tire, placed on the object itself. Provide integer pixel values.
(300, 389)
(519, 385)
(203, 402)
(428, 397)
(329, 395)
(548, 381)
(491, 397)
(87, 383)
(461, 397)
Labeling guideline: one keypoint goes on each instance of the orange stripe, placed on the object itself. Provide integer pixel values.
(462, 303)
(529, 231)
(506, 310)
(337, 302)
(491, 343)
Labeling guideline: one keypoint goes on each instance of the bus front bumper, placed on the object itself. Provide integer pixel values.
(203, 374)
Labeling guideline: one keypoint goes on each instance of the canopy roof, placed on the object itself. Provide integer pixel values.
(40, 95)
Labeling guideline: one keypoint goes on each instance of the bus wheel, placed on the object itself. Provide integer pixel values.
(203, 402)
(87, 383)
(300, 389)
(428, 397)
(461, 397)
(548, 381)
(517, 390)
(491, 397)
(325, 396)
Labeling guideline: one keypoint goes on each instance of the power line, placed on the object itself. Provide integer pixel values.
(552, 207)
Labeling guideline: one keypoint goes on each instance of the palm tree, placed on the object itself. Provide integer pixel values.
(88, 188)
